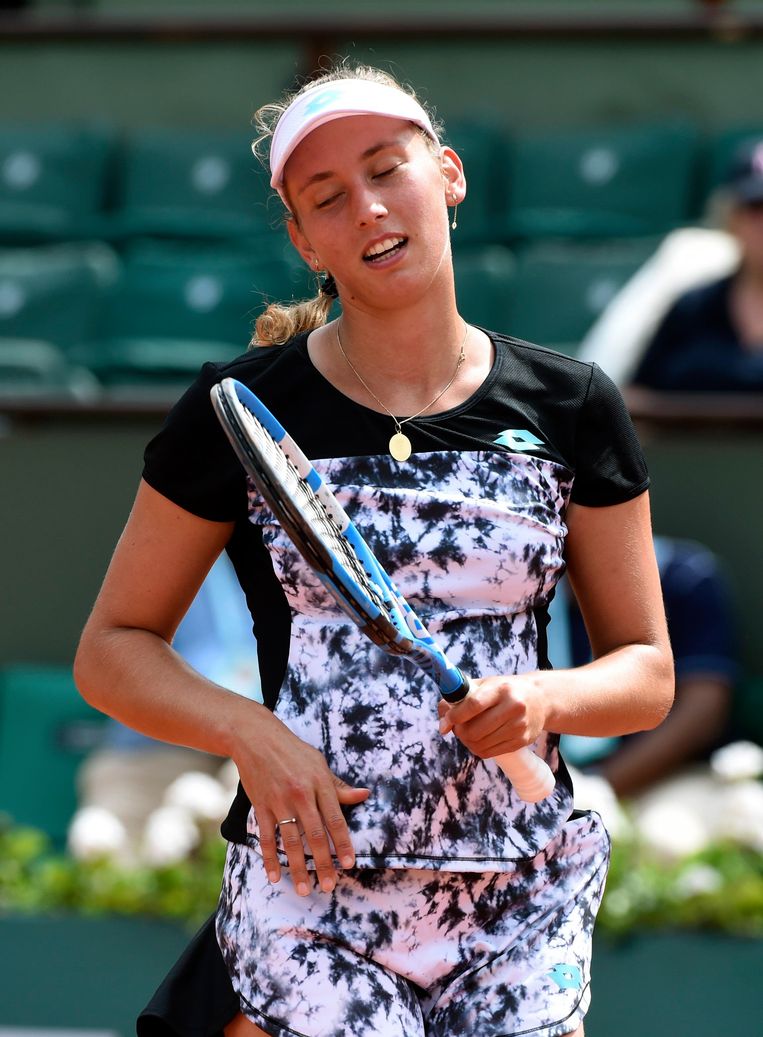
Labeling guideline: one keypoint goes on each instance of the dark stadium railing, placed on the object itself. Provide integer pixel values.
(680, 412)
(318, 27)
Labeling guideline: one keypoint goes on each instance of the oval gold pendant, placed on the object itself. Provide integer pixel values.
(400, 446)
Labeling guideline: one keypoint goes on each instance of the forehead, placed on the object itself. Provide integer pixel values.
(335, 145)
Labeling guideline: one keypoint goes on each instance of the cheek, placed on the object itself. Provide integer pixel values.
(312, 241)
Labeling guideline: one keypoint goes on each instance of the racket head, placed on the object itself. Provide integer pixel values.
(310, 515)
(331, 545)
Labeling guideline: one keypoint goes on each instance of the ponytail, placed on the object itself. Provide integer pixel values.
(280, 322)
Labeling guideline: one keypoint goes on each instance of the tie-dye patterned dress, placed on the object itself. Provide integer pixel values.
(471, 528)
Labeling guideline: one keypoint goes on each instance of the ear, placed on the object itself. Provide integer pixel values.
(303, 246)
(453, 175)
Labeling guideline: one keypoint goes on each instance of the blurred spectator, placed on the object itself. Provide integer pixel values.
(712, 337)
(701, 626)
(129, 774)
(686, 258)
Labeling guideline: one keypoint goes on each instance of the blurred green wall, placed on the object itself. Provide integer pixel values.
(66, 492)
(520, 83)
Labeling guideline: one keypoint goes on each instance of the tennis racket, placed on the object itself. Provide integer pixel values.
(332, 546)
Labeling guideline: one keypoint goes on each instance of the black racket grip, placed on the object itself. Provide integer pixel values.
(460, 693)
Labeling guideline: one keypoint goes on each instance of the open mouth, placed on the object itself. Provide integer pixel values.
(384, 249)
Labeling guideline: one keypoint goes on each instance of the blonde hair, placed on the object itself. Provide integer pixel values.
(281, 321)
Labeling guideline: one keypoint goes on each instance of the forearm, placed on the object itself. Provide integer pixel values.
(629, 689)
(134, 676)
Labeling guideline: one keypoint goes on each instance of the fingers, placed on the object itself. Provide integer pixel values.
(350, 794)
(309, 830)
(270, 861)
(494, 718)
(288, 829)
(482, 696)
(336, 826)
(291, 840)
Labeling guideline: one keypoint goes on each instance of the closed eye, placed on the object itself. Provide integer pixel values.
(325, 202)
(386, 172)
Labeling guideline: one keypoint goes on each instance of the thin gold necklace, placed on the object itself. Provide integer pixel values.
(399, 444)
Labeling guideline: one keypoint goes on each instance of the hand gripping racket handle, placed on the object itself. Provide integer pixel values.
(531, 777)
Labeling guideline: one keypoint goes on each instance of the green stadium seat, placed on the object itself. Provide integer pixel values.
(54, 292)
(482, 149)
(483, 285)
(46, 730)
(29, 367)
(561, 288)
(178, 304)
(53, 182)
(608, 182)
(192, 184)
(167, 366)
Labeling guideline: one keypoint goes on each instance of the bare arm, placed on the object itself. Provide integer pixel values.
(629, 685)
(126, 667)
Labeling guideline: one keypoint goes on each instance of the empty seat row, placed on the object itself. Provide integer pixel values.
(153, 313)
(59, 182)
(551, 292)
(81, 316)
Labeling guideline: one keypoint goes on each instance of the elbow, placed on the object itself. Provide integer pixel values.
(90, 668)
(662, 684)
(82, 670)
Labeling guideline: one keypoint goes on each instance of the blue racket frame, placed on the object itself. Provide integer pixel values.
(395, 627)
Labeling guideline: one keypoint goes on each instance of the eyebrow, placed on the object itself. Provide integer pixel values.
(368, 153)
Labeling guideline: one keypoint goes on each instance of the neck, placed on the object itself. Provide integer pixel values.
(410, 351)
(431, 402)
(404, 358)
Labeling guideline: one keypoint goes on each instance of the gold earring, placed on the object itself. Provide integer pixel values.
(454, 221)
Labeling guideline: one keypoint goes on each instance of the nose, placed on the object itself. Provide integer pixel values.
(369, 207)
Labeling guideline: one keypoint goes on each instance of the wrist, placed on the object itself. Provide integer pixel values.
(245, 723)
(556, 700)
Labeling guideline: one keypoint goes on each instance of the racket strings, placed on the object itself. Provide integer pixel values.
(312, 509)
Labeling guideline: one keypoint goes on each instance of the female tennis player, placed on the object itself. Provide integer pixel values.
(383, 878)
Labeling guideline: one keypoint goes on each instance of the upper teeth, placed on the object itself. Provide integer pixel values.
(384, 246)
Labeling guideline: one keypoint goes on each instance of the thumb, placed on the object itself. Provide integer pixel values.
(348, 793)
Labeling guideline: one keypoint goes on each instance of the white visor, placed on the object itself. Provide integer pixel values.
(335, 100)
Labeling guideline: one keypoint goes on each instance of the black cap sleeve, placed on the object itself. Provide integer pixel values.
(190, 460)
(609, 463)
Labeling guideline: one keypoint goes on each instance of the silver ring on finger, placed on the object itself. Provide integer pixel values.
(287, 821)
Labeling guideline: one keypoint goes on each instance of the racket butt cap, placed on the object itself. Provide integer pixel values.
(536, 792)
(532, 778)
